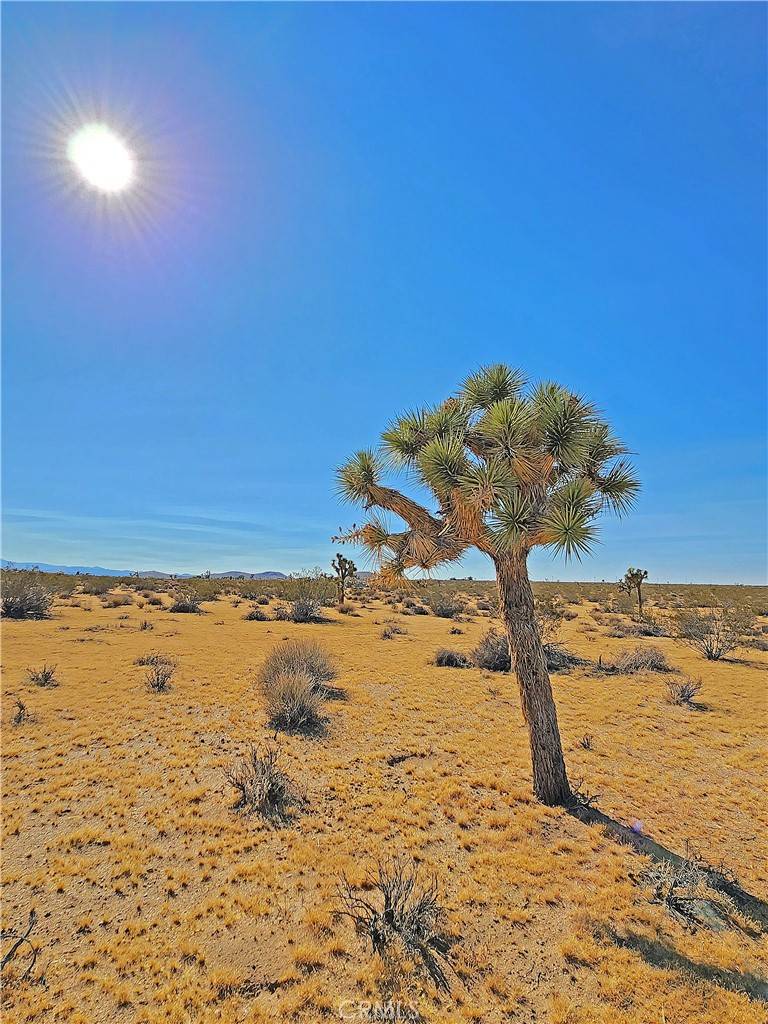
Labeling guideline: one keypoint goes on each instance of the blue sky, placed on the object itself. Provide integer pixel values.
(343, 209)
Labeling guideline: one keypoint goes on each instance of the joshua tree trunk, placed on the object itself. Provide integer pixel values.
(639, 601)
(550, 781)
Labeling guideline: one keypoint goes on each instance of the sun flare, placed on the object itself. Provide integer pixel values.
(101, 158)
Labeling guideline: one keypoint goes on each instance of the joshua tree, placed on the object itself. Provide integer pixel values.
(633, 581)
(510, 469)
(344, 568)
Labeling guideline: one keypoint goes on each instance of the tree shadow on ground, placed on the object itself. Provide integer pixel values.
(746, 903)
(657, 954)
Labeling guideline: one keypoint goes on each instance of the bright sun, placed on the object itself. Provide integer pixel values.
(102, 158)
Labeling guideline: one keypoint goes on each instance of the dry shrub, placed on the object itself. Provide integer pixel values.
(155, 658)
(445, 606)
(446, 658)
(155, 600)
(549, 613)
(45, 676)
(292, 701)
(299, 656)
(686, 891)
(713, 632)
(24, 596)
(21, 713)
(493, 652)
(255, 614)
(186, 601)
(97, 586)
(158, 678)
(389, 631)
(683, 692)
(117, 600)
(645, 627)
(306, 609)
(399, 915)
(262, 599)
(641, 659)
(262, 786)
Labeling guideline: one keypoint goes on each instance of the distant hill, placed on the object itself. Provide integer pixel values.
(237, 574)
(148, 574)
(84, 570)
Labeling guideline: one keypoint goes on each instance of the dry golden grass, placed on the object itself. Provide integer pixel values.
(157, 902)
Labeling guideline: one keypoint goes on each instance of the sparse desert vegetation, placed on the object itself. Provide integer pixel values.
(197, 845)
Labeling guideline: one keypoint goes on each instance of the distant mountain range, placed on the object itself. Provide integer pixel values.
(153, 574)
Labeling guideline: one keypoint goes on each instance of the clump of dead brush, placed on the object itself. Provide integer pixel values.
(446, 658)
(403, 915)
(45, 676)
(262, 786)
(684, 692)
(145, 624)
(187, 601)
(155, 658)
(306, 656)
(255, 614)
(635, 660)
(389, 631)
(21, 713)
(158, 678)
(580, 797)
(293, 701)
(683, 888)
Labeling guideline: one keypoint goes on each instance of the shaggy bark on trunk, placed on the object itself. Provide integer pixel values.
(550, 781)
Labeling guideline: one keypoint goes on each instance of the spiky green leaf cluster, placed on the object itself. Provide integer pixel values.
(509, 468)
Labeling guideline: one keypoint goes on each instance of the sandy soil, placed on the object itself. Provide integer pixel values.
(157, 902)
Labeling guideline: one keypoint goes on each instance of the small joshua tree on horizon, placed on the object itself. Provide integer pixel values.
(510, 469)
(633, 582)
(345, 569)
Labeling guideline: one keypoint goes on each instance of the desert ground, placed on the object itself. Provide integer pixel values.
(157, 900)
